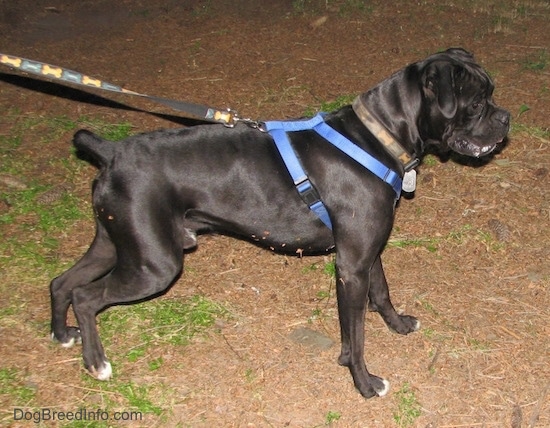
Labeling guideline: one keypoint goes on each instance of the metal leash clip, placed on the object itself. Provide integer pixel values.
(254, 124)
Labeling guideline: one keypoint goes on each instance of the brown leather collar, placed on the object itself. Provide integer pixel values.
(393, 146)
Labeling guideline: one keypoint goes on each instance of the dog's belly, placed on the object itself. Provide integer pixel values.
(293, 232)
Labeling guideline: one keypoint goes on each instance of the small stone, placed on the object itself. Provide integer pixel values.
(312, 338)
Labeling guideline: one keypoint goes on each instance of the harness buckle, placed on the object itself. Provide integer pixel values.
(307, 192)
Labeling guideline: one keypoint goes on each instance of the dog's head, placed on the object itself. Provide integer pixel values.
(458, 110)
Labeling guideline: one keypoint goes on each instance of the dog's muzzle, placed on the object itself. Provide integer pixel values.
(470, 144)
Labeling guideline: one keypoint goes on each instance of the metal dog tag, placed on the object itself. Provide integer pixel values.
(409, 181)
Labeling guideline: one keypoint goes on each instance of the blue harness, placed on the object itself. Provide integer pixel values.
(279, 129)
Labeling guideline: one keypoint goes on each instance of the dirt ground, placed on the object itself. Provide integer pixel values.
(478, 276)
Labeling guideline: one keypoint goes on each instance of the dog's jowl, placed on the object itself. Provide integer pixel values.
(155, 193)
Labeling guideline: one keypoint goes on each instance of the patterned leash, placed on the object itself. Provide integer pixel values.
(228, 117)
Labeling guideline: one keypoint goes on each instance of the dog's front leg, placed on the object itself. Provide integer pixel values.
(352, 290)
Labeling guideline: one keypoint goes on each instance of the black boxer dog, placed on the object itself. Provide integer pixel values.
(156, 192)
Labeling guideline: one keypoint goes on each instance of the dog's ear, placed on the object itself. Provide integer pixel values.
(460, 54)
(439, 85)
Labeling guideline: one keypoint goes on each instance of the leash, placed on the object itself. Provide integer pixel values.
(228, 116)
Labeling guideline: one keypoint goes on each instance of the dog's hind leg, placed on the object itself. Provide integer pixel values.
(147, 264)
(379, 301)
(98, 261)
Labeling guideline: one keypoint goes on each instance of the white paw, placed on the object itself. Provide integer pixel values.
(417, 325)
(385, 390)
(68, 344)
(105, 373)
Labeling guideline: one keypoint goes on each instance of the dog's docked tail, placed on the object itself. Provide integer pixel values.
(95, 149)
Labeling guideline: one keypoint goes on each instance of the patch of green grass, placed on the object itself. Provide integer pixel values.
(533, 131)
(37, 260)
(524, 108)
(138, 397)
(478, 345)
(330, 268)
(12, 386)
(322, 297)
(108, 131)
(537, 61)
(323, 294)
(430, 160)
(332, 417)
(429, 243)
(429, 307)
(408, 407)
(489, 241)
(459, 234)
(161, 321)
(316, 314)
(428, 333)
(328, 106)
(54, 127)
(155, 364)
(9, 143)
(458, 237)
(250, 375)
(126, 395)
(47, 217)
(40, 212)
(41, 225)
(310, 268)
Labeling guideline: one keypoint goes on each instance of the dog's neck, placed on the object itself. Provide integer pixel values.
(394, 147)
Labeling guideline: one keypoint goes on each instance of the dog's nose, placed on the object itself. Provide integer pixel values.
(502, 116)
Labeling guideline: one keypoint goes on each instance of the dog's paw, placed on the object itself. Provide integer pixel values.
(406, 324)
(381, 391)
(103, 373)
(375, 386)
(72, 337)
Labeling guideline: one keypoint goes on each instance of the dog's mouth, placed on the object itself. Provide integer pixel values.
(472, 147)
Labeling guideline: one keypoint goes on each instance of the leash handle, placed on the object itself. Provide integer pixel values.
(228, 117)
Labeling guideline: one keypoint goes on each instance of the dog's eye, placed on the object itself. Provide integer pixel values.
(476, 107)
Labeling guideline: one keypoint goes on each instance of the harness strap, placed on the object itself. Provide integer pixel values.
(308, 193)
(359, 155)
(278, 130)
